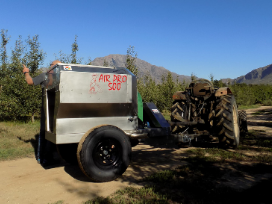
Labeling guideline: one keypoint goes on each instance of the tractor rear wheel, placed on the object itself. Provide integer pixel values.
(178, 113)
(227, 121)
(243, 122)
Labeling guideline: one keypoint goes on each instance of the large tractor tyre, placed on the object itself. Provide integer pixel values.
(104, 153)
(68, 152)
(243, 122)
(227, 122)
(178, 113)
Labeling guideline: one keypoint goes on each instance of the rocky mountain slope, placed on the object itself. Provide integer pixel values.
(144, 67)
(262, 75)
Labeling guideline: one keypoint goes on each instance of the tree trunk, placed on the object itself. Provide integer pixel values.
(32, 118)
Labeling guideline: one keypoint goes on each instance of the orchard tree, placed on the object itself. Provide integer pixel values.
(148, 89)
(71, 58)
(131, 60)
(4, 57)
(89, 61)
(211, 78)
(193, 77)
(35, 57)
(17, 98)
(105, 64)
(74, 51)
(167, 89)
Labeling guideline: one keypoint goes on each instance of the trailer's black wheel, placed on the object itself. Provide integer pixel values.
(227, 121)
(242, 122)
(104, 153)
(68, 152)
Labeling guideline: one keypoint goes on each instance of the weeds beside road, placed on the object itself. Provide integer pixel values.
(17, 139)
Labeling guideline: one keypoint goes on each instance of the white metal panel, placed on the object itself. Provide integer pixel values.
(84, 87)
(69, 138)
(78, 126)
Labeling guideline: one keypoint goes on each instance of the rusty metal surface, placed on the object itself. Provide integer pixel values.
(179, 95)
(222, 91)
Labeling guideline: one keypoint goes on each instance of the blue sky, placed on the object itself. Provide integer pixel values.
(226, 38)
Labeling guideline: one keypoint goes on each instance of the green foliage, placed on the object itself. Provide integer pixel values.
(132, 195)
(131, 60)
(167, 89)
(193, 77)
(105, 64)
(160, 94)
(17, 98)
(34, 56)
(267, 102)
(252, 94)
(148, 89)
(89, 61)
(218, 83)
(17, 139)
(72, 58)
(4, 42)
(247, 96)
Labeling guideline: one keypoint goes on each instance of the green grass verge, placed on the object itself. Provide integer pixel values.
(244, 107)
(166, 114)
(58, 202)
(262, 112)
(17, 139)
(132, 195)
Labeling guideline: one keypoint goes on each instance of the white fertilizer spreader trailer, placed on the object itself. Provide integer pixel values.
(94, 114)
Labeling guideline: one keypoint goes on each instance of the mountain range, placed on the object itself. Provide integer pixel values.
(262, 75)
(156, 72)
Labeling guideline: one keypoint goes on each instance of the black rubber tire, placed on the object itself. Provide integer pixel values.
(68, 152)
(227, 122)
(243, 122)
(104, 153)
(178, 108)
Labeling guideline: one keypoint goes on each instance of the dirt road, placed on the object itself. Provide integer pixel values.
(25, 181)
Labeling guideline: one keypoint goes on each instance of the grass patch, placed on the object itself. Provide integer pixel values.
(262, 112)
(166, 114)
(267, 102)
(221, 155)
(244, 107)
(58, 202)
(254, 137)
(132, 195)
(17, 139)
(217, 155)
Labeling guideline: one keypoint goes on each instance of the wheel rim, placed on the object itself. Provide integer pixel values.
(235, 124)
(107, 153)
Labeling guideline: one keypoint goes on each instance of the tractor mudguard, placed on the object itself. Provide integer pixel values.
(223, 91)
(179, 95)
